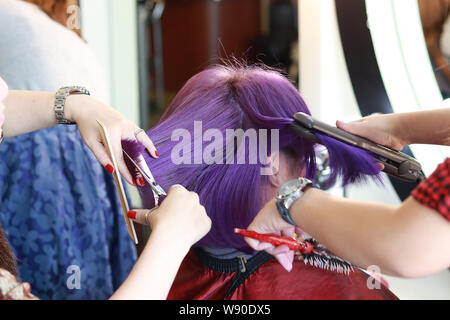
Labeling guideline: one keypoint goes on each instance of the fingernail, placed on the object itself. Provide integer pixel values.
(289, 267)
(157, 154)
(131, 214)
(110, 168)
(285, 263)
(134, 181)
(141, 181)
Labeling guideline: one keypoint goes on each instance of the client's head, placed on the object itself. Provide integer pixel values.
(226, 135)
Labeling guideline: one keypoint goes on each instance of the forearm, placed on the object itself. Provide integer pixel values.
(356, 231)
(28, 111)
(406, 241)
(154, 272)
(425, 127)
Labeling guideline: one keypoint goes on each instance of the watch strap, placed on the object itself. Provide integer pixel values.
(60, 101)
(284, 203)
(284, 212)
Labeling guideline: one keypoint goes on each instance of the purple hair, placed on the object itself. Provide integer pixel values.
(250, 97)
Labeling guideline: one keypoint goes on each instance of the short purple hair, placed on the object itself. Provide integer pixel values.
(238, 97)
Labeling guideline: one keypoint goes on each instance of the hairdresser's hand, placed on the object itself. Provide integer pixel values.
(384, 129)
(85, 111)
(268, 220)
(180, 215)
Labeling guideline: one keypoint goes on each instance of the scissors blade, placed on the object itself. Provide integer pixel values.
(146, 173)
(118, 183)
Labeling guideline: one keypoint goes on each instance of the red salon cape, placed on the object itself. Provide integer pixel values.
(271, 281)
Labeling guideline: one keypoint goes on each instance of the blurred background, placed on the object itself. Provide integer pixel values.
(173, 40)
(204, 32)
(349, 58)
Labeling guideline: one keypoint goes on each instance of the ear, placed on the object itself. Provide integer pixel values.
(276, 177)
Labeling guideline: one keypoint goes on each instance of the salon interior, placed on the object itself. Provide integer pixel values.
(348, 59)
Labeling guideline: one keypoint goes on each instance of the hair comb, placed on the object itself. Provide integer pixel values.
(313, 253)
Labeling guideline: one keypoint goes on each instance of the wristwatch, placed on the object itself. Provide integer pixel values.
(288, 193)
(60, 101)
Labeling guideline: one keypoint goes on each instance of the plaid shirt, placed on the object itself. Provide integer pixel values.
(434, 192)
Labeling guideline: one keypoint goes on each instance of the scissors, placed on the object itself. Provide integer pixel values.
(144, 170)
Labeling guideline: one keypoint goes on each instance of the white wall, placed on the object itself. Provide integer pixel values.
(110, 29)
(109, 26)
(324, 80)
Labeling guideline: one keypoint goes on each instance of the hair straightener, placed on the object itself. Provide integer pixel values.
(396, 164)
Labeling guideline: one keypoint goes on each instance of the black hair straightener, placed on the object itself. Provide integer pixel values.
(396, 164)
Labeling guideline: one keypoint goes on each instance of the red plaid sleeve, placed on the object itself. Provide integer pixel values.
(434, 192)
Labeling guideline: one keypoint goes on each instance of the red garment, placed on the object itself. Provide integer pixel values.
(270, 281)
(434, 192)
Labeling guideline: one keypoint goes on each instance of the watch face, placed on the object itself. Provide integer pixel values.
(289, 188)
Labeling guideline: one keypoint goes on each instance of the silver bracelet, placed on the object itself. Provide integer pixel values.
(60, 101)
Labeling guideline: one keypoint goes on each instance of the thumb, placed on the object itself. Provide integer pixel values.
(353, 127)
(258, 245)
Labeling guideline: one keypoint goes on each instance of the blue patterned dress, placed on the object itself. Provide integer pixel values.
(58, 205)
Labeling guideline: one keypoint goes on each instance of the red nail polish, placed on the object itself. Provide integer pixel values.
(141, 181)
(134, 181)
(110, 168)
(157, 154)
(131, 214)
